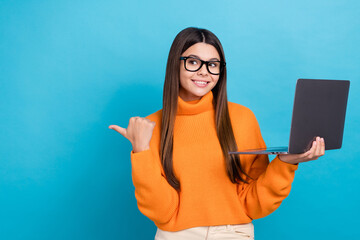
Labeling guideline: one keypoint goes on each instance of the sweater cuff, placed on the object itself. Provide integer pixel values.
(145, 166)
(143, 154)
(142, 163)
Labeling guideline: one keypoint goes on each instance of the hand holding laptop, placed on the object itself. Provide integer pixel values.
(317, 150)
(319, 110)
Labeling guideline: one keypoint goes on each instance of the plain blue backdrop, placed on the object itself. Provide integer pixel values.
(69, 69)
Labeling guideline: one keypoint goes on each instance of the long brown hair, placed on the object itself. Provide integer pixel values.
(185, 39)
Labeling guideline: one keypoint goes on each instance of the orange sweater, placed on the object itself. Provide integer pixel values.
(207, 195)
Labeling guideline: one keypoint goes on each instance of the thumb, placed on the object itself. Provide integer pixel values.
(120, 130)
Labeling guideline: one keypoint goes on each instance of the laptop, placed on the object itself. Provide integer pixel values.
(319, 110)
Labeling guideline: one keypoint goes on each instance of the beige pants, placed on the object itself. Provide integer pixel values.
(223, 232)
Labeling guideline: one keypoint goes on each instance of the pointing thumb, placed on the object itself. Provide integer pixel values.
(120, 130)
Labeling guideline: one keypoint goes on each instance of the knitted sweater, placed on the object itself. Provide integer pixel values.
(207, 195)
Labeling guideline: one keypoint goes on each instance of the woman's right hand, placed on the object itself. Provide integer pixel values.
(138, 132)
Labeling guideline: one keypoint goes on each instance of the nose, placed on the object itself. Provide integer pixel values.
(203, 70)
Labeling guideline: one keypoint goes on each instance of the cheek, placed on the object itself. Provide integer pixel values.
(216, 79)
(185, 76)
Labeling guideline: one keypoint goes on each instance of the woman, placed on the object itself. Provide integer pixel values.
(184, 179)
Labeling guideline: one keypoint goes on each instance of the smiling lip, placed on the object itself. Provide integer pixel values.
(200, 83)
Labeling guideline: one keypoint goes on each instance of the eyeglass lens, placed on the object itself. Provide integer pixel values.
(194, 64)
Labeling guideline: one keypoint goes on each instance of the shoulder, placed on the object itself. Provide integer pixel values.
(245, 126)
(238, 111)
(155, 117)
(242, 119)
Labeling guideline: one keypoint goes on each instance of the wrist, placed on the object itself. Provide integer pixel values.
(285, 159)
(140, 149)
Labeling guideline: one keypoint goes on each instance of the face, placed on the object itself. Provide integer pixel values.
(194, 85)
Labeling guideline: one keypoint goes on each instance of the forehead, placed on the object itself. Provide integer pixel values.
(203, 50)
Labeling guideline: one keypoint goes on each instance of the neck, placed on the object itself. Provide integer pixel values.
(195, 106)
(188, 97)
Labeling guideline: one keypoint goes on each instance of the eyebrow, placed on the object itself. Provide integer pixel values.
(212, 59)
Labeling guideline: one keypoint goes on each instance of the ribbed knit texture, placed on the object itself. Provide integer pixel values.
(207, 195)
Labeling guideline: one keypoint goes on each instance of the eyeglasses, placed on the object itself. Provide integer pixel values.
(193, 64)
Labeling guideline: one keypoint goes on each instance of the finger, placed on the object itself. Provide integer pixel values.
(309, 154)
(318, 147)
(304, 155)
(322, 146)
(153, 123)
(149, 121)
(120, 130)
(132, 119)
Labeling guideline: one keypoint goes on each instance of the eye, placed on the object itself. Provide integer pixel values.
(193, 61)
(213, 64)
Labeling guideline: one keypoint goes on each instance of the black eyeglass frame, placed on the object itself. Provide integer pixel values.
(222, 65)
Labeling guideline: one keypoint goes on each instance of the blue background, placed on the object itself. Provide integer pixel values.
(69, 69)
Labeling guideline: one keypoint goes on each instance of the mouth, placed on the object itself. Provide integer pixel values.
(200, 83)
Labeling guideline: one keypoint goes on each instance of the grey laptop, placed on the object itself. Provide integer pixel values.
(319, 110)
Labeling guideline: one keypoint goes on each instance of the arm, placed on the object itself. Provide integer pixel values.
(264, 194)
(270, 183)
(155, 197)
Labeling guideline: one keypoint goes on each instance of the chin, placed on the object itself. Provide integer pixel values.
(193, 93)
(201, 93)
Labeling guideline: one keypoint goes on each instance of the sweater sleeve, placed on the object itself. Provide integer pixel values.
(263, 195)
(270, 183)
(156, 198)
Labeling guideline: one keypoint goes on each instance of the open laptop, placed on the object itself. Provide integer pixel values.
(319, 110)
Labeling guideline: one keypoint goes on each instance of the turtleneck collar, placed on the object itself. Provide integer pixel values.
(196, 106)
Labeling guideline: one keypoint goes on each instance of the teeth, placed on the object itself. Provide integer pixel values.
(200, 82)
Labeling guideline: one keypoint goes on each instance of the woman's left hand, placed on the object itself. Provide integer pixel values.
(317, 150)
